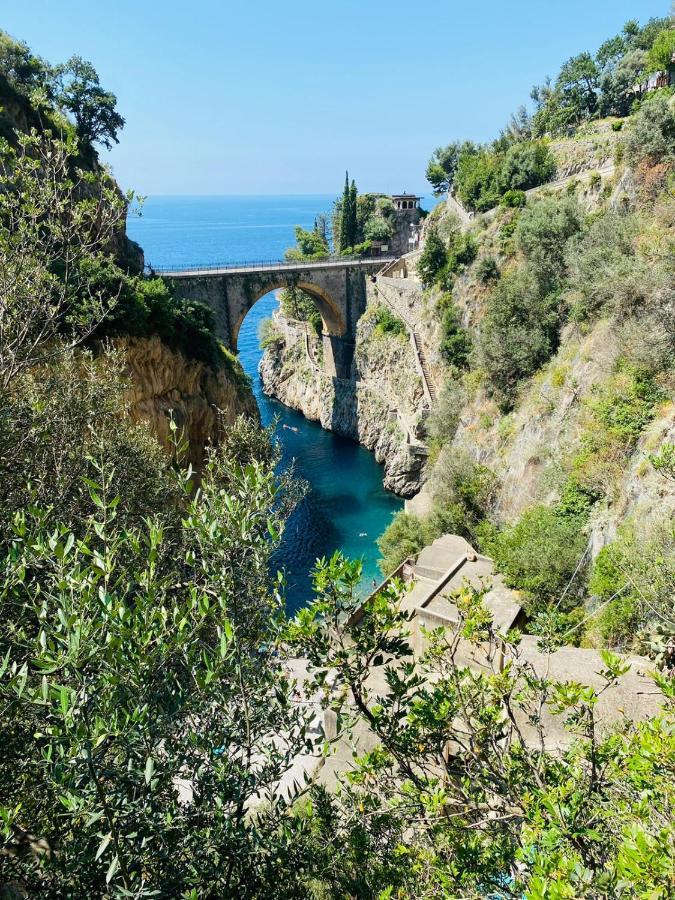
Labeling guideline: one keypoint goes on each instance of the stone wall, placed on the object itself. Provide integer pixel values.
(404, 218)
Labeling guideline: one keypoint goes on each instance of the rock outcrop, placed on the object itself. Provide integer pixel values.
(202, 400)
(380, 406)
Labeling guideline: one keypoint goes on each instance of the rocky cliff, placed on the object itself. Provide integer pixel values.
(545, 437)
(201, 399)
(380, 406)
(532, 448)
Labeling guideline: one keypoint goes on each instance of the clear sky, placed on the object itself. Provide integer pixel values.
(265, 96)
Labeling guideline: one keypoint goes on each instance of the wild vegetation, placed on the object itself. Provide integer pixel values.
(510, 294)
(587, 87)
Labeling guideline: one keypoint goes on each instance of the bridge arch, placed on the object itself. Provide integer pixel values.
(337, 287)
(332, 316)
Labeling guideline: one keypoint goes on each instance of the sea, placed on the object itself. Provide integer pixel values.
(346, 508)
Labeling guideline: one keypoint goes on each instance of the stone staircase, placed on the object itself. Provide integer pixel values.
(424, 366)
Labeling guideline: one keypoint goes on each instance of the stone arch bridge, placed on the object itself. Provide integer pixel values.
(337, 286)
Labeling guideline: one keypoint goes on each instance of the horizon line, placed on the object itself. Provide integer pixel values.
(247, 194)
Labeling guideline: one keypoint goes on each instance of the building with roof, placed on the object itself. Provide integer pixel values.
(405, 201)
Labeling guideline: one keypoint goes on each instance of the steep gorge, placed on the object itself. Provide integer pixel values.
(382, 405)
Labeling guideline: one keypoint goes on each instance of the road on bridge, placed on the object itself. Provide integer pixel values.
(246, 268)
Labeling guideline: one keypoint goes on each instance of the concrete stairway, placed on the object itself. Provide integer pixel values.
(434, 560)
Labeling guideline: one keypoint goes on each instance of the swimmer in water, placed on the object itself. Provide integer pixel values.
(363, 534)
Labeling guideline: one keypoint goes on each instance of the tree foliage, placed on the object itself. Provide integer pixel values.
(73, 88)
(56, 222)
(442, 167)
(93, 108)
(484, 175)
(604, 84)
(651, 134)
(660, 55)
(433, 257)
(455, 794)
(142, 692)
(309, 244)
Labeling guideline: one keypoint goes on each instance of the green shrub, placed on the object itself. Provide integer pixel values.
(57, 419)
(432, 258)
(309, 244)
(462, 491)
(628, 406)
(456, 342)
(519, 332)
(361, 249)
(508, 229)
(617, 126)
(484, 176)
(542, 233)
(462, 251)
(477, 179)
(661, 52)
(514, 199)
(144, 307)
(378, 229)
(605, 275)
(269, 336)
(538, 555)
(404, 537)
(664, 461)
(617, 414)
(651, 131)
(445, 414)
(526, 164)
(298, 304)
(595, 180)
(576, 500)
(487, 269)
(387, 323)
(634, 576)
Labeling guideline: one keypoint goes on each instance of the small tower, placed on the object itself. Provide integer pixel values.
(407, 220)
(404, 202)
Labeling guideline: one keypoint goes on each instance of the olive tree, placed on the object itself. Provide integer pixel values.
(148, 719)
(53, 218)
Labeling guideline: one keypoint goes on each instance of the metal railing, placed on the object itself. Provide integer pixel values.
(268, 265)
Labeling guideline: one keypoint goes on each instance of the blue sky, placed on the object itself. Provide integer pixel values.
(272, 97)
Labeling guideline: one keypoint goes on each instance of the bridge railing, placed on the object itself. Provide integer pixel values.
(273, 264)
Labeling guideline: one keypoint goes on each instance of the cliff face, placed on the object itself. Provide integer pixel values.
(379, 406)
(202, 400)
(533, 448)
(529, 448)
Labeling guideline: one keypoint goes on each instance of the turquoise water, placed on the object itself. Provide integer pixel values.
(346, 507)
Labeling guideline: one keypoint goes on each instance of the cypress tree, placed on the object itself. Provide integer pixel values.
(345, 216)
(353, 226)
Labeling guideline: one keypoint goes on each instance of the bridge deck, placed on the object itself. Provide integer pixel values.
(247, 268)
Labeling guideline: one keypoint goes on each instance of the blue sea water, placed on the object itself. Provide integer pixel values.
(346, 507)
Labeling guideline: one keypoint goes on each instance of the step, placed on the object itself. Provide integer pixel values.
(430, 574)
